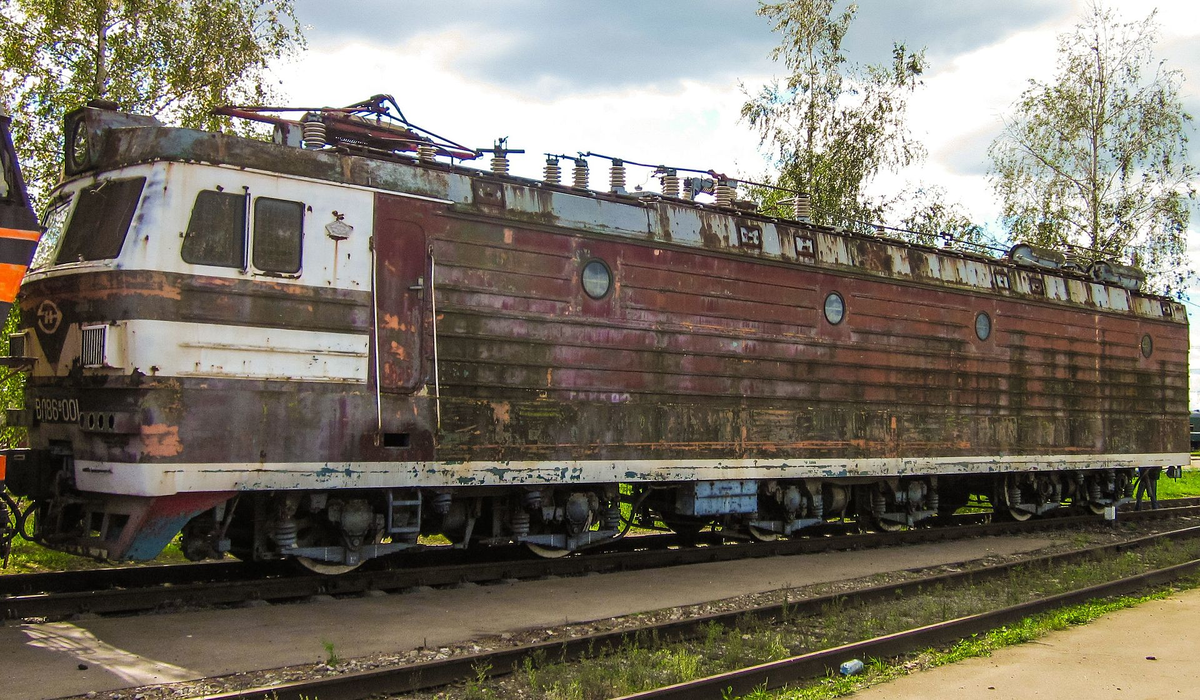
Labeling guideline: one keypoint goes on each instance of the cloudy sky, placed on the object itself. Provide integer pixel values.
(663, 81)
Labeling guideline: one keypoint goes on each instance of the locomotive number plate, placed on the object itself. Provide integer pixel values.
(56, 410)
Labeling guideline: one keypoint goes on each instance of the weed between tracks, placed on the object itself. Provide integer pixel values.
(877, 671)
(647, 662)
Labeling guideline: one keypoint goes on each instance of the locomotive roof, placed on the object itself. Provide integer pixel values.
(117, 140)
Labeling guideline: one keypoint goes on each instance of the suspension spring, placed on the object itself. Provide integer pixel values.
(519, 522)
(878, 503)
(441, 503)
(932, 501)
(1014, 496)
(1094, 490)
(612, 516)
(285, 533)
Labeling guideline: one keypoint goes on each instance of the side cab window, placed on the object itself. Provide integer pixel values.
(218, 234)
(278, 233)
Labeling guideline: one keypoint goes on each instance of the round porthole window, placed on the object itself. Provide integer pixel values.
(983, 325)
(1147, 346)
(835, 308)
(596, 279)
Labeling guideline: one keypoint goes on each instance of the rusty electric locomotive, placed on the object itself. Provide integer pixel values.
(325, 346)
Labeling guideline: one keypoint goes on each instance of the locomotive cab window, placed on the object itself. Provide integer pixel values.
(97, 228)
(278, 231)
(8, 190)
(217, 233)
(54, 222)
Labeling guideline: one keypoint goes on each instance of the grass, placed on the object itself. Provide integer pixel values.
(28, 557)
(1185, 487)
(648, 662)
(1027, 630)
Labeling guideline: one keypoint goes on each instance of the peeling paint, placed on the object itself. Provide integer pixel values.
(161, 440)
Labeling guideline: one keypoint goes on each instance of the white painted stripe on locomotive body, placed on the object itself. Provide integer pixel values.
(168, 479)
(187, 349)
(181, 349)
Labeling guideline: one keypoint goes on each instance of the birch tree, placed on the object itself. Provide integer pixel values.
(1096, 159)
(172, 59)
(833, 125)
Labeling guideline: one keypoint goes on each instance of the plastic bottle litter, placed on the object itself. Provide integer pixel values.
(851, 667)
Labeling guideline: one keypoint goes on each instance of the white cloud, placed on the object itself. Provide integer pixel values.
(693, 125)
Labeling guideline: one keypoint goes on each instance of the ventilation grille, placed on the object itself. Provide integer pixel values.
(92, 353)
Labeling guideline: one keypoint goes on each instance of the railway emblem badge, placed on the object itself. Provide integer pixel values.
(48, 317)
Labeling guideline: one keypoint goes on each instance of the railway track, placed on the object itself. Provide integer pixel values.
(434, 674)
(140, 589)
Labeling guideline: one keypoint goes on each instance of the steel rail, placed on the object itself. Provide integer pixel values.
(139, 599)
(133, 576)
(433, 674)
(816, 664)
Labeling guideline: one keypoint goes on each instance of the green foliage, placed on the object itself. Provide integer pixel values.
(833, 125)
(1097, 157)
(476, 688)
(933, 220)
(331, 656)
(1187, 486)
(173, 59)
(12, 389)
(29, 557)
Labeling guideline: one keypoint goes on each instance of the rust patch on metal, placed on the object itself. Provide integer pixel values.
(160, 440)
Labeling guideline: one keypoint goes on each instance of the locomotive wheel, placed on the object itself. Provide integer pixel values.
(313, 533)
(325, 568)
(760, 535)
(886, 525)
(1000, 504)
(547, 552)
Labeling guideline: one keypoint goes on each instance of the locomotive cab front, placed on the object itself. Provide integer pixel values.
(186, 319)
